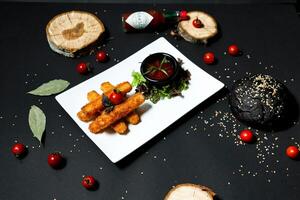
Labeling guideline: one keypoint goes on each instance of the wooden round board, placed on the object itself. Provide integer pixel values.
(188, 191)
(190, 33)
(70, 32)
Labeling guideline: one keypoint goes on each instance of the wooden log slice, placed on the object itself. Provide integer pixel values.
(190, 33)
(70, 32)
(190, 191)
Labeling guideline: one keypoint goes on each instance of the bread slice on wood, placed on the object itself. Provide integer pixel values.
(70, 32)
(190, 191)
(192, 34)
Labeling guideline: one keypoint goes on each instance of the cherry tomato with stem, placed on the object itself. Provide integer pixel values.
(89, 182)
(116, 97)
(197, 23)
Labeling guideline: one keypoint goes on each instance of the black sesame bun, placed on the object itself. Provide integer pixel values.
(260, 101)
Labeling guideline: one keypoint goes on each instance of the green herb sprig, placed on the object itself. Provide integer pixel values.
(153, 68)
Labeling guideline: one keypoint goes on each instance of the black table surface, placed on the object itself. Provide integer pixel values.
(202, 147)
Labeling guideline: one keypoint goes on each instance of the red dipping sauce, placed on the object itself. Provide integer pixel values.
(159, 69)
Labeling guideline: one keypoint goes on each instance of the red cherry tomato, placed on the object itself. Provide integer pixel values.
(101, 56)
(197, 23)
(233, 50)
(116, 97)
(18, 149)
(246, 136)
(88, 182)
(82, 68)
(209, 58)
(292, 152)
(55, 160)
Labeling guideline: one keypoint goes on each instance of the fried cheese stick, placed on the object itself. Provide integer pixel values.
(119, 126)
(106, 119)
(92, 95)
(132, 118)
(106, 87)
(91, 109)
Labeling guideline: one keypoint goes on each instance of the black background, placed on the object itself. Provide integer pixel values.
(162, 1)
(269, 38)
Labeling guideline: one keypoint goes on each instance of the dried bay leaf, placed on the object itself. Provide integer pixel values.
(52, 87)
(37, 122)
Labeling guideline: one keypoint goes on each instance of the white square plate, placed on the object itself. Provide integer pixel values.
(157, 117)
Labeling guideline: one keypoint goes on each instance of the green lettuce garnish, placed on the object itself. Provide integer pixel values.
(154, 94)
(137, 79)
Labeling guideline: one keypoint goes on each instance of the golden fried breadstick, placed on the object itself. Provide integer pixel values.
(133, 118)
(92, 108)
(92, 95)
(120, 127)
(106, 119)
